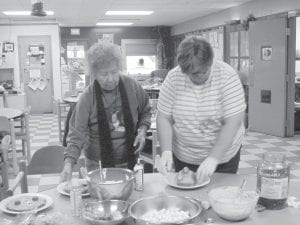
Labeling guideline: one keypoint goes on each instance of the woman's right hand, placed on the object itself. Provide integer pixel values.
(166, 162)
(66, 174)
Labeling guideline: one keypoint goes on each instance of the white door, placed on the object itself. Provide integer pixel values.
(36, 72)
(267, 80)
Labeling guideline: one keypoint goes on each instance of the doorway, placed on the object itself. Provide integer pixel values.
(36, 72)
(269, 77)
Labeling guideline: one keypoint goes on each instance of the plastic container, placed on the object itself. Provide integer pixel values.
(75, 198)
(139, 175)
(273, 174)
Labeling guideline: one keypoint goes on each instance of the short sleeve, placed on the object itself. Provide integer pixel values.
(167, 95)
(233, 96)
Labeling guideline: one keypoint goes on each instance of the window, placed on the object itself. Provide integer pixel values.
(139, 56)
(143, 65)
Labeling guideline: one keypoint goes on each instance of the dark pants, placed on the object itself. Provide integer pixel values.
(229, 167)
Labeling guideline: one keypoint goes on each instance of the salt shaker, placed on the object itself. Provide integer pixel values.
(75, 197)
(139, 175)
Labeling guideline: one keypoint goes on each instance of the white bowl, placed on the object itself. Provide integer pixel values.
(231, 203)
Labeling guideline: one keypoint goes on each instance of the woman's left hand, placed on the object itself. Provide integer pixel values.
(139, 141)
(206, 169)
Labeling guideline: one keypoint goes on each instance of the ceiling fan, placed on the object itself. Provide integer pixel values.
(37, 8)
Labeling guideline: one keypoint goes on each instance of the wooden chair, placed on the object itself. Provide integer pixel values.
(62, 112)
(150, 157)
(46, 160)
(4, 97)
(8, 126)
(22, 132)
(20, 180)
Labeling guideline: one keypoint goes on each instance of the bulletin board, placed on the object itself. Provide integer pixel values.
(214, 35)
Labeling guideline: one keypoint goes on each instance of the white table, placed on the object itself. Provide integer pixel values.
(155, 185)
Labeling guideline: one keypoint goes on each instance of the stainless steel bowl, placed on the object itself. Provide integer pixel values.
(117, 183)
(142, 206)
(108, 212)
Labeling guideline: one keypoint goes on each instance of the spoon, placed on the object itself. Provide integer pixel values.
(240, 191)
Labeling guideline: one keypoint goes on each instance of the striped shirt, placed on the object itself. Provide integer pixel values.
(198, 110)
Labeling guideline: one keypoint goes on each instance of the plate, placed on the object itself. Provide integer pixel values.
(4, 202)
(171, 181)
(61, 189)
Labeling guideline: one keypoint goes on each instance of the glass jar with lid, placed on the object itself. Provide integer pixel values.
(273, 174)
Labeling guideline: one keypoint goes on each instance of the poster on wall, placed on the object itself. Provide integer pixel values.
(106, 37)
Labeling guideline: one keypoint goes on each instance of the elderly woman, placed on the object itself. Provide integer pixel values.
(200, 112)
(111, 117)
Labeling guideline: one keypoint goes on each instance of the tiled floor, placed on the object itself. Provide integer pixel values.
(44, 131)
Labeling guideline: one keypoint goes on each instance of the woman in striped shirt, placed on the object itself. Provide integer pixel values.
(200, 113)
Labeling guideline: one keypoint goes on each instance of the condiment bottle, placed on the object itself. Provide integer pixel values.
(273, 174)
(75, 197)
(139, 175)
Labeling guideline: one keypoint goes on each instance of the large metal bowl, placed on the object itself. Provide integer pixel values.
(140, 207)
(108, 212)
(117, 183)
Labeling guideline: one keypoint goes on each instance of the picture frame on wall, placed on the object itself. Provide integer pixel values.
(8, 47)
(266, 53)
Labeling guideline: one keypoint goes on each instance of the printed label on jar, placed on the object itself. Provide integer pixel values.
(274, 188)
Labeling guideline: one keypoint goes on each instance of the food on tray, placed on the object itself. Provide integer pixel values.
(83, 187)
(26, 203)
(171, 215)
(186, 177)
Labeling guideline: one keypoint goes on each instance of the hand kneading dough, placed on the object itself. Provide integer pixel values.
(186, 177)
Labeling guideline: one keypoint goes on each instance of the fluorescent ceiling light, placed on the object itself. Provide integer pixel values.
(128, 13)
(114, 24)
(23, 13)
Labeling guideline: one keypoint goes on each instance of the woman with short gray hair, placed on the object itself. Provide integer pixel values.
(111, 117)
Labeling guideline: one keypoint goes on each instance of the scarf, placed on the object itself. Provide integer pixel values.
(104, 131)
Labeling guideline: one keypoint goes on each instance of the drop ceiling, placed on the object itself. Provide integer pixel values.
(89, 12)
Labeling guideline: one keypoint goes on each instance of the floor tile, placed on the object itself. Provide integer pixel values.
(44, 131)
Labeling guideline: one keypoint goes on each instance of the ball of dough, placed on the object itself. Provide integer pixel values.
(186, 177)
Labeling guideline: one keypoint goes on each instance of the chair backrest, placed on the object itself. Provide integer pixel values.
(4, 96)
(48, 159)
(4, 124)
